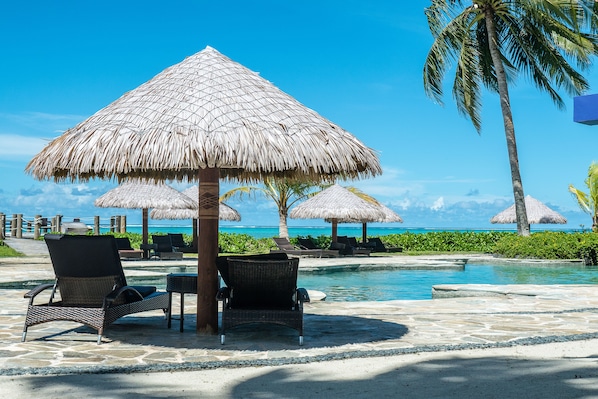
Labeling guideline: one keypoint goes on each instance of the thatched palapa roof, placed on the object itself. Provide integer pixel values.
(338, 203)
(537, 213)
(205, 112)
(225, 212)
(144, 195)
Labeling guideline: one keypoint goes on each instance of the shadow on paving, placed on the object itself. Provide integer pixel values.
(453, 377)
(319, 331)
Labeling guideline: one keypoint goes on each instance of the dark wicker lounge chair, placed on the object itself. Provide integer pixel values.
(285, 246)
(164, 248)
(126, 251)
(179, 243)
(307, 243)
(261, 291)
(91, 285)
(352, 247)
(378, 246)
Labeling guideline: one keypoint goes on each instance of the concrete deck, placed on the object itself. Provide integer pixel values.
(487, 316)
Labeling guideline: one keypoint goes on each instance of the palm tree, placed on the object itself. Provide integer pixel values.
(589, 202)
(284, 193)
(491, 41)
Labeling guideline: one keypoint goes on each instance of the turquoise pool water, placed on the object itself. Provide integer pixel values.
(384, 285)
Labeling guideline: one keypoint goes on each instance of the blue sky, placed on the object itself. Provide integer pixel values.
(356, 63)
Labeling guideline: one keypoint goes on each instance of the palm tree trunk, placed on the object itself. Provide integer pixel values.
(283, 230)
(505, 105)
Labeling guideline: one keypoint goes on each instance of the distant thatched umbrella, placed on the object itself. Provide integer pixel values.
(204, 118)
(144, 195)
(225, 212)
(390, 216)
(334, 204)
(537, 213)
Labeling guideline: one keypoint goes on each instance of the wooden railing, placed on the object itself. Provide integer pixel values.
(17, 226)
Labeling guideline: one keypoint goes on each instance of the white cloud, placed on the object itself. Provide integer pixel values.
(438, 204)
(13, 145)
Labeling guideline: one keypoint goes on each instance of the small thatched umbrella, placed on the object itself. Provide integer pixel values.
(206, 118)
(390, 216)
(537, 213)
(144, 195)
(225, 212)
(334, 204)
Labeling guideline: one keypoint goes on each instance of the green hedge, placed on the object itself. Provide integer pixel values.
(539, 245)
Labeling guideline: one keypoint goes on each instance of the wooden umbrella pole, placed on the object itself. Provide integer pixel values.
(207, 273)
(144, 232)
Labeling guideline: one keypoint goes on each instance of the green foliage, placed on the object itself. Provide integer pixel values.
(233, 243)
(445, 241)
(550, 245)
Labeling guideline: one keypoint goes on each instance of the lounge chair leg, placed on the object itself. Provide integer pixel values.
(99, 339)
(301, 340)
(24, 335)
(221, 339)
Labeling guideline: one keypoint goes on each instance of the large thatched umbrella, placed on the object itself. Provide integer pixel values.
(335, 204)
(390, 216)
(144, 195)
(537, 213)
(203, 119)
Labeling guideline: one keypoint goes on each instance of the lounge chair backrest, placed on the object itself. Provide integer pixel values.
(84, 256)
(87, 268)
(164, 243)
(263, 283)
(177, 240)
(123, 243)
(307, 243)
(222, 262)
(284, 244)
(378, 244)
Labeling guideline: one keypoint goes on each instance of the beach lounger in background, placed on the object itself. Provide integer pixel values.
(126, 251)
(164, 248)
(307, 243)
(179, 243)
(352, 247)
(378, 246)
(90, 286)
(285, 246)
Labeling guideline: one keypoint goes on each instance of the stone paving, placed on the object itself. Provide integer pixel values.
(474, 316)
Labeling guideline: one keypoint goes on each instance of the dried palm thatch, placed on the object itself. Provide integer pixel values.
(205, 112)
(140, 195)
(537, 213)
(390, 216)
(225, 212)
(334, 204)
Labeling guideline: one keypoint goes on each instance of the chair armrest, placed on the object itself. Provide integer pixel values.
(111, 297)
(302, 295)
(223, 294)
(36, 290)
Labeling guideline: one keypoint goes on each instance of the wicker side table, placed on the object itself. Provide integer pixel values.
(183, 283)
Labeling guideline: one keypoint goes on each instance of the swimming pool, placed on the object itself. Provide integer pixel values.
(385, 285)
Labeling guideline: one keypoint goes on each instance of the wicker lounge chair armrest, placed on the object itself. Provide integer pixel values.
(36, 290)
(111, 297)
(302, 295)
(223, 294)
